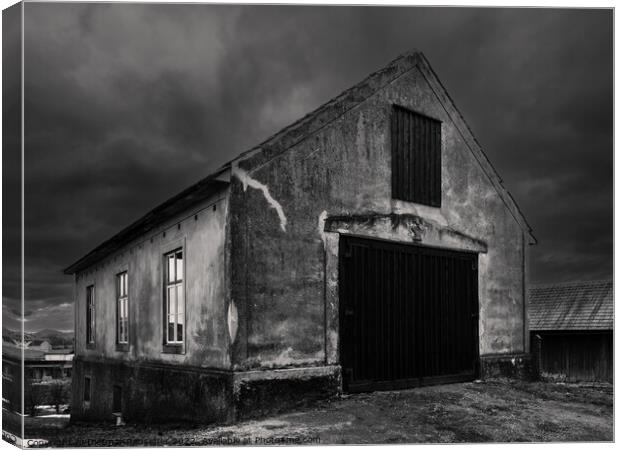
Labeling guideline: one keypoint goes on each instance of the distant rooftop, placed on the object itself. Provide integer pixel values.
(572, 306)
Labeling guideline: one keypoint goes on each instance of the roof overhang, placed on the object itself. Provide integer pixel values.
(202, 190)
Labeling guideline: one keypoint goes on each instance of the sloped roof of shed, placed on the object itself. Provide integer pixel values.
(297, 132)
(572, 306)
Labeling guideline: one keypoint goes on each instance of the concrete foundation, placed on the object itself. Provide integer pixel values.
(259, 393)
(506, 366)
(151, 392)
(156, 392)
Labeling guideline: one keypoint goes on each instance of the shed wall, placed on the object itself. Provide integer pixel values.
(576, 356)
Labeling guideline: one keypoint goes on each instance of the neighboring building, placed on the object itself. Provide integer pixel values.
(39, 344)
(369, 245)
(575, 323)
(38, 367)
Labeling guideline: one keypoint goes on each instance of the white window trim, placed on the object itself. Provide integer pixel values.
(120, 298)
(165, 250)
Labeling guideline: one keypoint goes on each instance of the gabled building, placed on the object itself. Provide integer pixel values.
(368, 245)
(572, 325)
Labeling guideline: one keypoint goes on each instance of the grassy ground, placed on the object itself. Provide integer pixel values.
(491, 411)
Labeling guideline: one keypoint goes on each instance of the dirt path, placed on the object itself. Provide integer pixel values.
(492, 411)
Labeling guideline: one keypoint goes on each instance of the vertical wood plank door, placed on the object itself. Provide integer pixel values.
(408, 315)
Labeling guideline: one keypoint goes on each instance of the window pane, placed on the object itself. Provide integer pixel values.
(171, 268)
(90, 314)
(125, 309)
(180, 318)
(122, 331)
(172, 300)
(180, 328)
(179, 296)
(170, 328)
(179, 266)
(125, 283)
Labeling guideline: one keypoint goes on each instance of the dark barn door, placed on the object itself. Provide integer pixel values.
(408, 315)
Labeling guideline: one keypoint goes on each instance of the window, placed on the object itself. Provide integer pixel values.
(416, 157)
(90, 316)
(122, 309)
(117, 395)
(174, 302)
(87, 389)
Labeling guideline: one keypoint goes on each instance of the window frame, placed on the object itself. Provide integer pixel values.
(427, 189)
(176, 346)
(89, 391)
(122, 345)
(91, 316)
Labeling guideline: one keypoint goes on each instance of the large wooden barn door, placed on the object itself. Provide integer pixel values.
(408, 315)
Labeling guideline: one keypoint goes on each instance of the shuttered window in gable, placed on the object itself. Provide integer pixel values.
(416, 157)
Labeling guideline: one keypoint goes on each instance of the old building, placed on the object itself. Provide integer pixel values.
(572, 326)
(369, 245)
(38, 367)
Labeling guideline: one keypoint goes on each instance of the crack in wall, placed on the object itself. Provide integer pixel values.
(247, 180)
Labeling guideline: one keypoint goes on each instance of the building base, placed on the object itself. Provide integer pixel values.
(516, 366)
(149, 392)
(158, 392)
(258, 393)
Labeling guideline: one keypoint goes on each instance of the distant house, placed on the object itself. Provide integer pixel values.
(573, 323)
(39, 366)
(39, 344)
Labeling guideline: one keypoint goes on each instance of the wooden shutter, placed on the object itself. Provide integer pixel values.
(416, 157)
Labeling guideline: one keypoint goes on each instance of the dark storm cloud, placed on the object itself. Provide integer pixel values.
(128, 104)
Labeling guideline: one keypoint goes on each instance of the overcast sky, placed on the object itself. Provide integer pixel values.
(128, 104)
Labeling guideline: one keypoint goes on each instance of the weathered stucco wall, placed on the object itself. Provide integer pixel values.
(202, 232)
(288, 208)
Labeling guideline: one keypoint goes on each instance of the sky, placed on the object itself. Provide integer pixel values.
(126, 105)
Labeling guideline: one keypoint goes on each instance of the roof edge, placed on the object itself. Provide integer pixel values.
(301, 129)
(324, 114)
(403, 63)
(571, 284)
(470, 139)
(126, 234)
